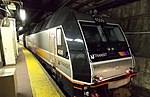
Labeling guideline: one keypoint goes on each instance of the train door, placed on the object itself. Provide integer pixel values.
(52, 49)
(59, 41)
(63, 62)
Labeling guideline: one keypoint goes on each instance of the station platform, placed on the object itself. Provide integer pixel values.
(32, 79)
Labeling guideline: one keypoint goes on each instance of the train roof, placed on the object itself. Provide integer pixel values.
(59, 18)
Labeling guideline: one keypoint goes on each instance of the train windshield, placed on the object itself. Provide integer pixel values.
(104, 41)
(101, 33)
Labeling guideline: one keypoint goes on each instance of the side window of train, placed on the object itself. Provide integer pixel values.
(61, 45)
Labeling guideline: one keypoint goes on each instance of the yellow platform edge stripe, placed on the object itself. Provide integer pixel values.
(40, 84)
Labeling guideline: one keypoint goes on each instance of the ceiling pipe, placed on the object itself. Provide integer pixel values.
(105, 3)
(82, 4)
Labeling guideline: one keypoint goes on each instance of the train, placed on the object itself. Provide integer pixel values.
(86, 57)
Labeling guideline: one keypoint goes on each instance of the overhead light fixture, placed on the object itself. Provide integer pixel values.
(20, 28)
(12, 6)
(22, 14)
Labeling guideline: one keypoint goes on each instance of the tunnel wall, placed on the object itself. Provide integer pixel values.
(134, 18)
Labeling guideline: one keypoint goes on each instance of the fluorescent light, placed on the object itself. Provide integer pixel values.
(22, 14)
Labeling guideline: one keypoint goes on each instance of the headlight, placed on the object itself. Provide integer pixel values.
(129, 71)
(97, 79)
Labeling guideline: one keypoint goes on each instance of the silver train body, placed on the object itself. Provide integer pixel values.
(83, 55)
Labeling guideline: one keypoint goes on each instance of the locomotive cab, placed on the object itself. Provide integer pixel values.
(108, 52)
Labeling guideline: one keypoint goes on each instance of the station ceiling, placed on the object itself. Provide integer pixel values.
(39, 9)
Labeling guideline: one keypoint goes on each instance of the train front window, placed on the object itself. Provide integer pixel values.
(95, 34)
(92, 33)
(112, 33)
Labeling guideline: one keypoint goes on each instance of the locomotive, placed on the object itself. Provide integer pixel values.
(84, 56)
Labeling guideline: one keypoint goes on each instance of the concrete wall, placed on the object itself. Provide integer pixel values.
(135, 21)
(132, 17)
(143, 77)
